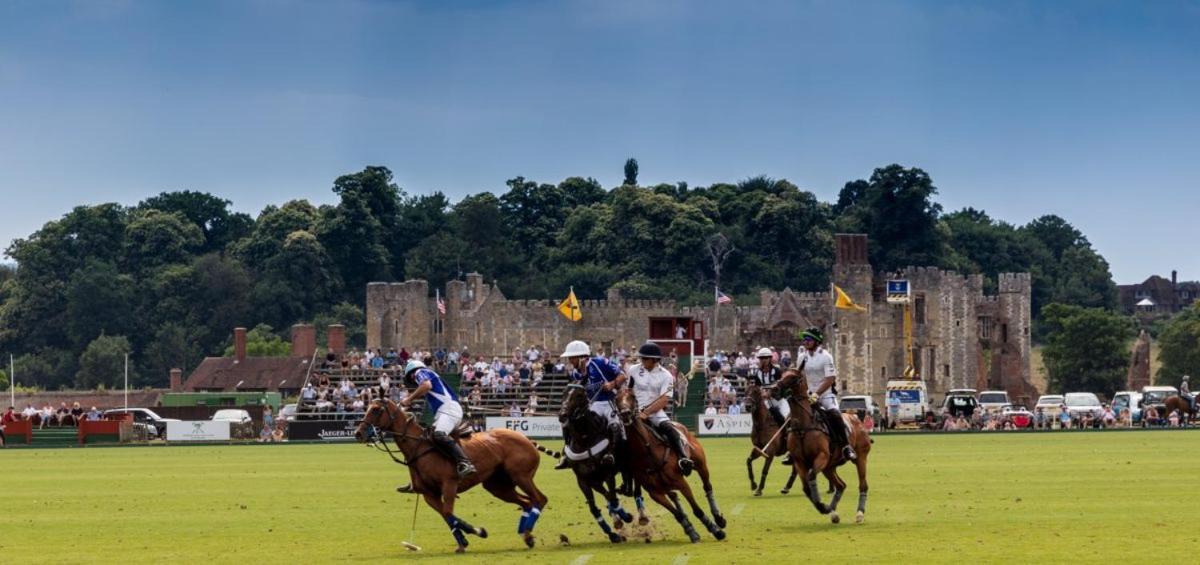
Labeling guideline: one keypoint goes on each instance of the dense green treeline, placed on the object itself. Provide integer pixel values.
(167, 279)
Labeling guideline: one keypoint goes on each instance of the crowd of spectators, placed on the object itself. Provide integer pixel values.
(47, 415)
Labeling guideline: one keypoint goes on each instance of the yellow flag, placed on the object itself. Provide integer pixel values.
(844, 302)
(569, 307)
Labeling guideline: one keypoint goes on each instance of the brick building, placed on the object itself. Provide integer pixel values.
(1158, 296)
(962, 338)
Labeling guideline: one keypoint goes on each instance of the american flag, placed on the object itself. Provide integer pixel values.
(722, 298)
(441, 306)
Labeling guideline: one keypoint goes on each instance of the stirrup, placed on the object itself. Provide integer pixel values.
(849, 453)
(563, 463)
(685, 465)
(465, 469)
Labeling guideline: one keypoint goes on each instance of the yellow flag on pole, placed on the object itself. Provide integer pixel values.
(569, 307)
(844, 302)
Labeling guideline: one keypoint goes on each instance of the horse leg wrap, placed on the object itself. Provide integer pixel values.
(456, 530)
(862, 502)
(712, 502)
(599, 516)
(523, 525)
(837, 495)
(640, 503)
(813, 493)
(534, 514)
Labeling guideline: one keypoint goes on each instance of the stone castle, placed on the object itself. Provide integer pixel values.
(961, 337)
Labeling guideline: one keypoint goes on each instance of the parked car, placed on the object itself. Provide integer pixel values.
(960, 402)
(241, 425)
(146, 417)
(1128, 400)
(1157, 396)
(1080, 404)
(1050, 405)
(993, 401)
(860, 405)
(1018, 415)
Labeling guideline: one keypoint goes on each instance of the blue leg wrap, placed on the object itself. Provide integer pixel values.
(534, 514)
(523, 525)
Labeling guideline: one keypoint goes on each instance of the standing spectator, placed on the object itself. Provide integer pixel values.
(869, 422)
(735, 409)
(404, 356)
(710, 410)
(681, 386)
(385, 382)
(268, 419)
(9, 416)
(452, 360)
(785, 359)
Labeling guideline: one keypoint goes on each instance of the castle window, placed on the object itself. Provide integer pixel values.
(395, 328)
(919, 309)
(985, 327)
(842, 339)
(883, 372)
(1004, 333)
(946, 371)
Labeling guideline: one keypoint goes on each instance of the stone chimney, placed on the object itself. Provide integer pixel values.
(336, 337)
(239, 344)
(304, 340)
(176, 380)
(1174, 279)
(850, 249)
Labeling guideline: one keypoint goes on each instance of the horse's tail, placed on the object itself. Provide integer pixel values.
(547, 451)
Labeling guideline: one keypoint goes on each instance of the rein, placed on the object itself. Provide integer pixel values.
(379, 438)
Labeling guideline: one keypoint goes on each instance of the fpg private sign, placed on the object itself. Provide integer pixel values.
(532, 426)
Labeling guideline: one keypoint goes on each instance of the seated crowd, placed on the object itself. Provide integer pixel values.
(49, 416)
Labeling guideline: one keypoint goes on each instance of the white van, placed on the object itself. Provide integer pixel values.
(993, 401)
(909, 400)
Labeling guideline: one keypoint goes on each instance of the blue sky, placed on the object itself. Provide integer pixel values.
(1083, 109)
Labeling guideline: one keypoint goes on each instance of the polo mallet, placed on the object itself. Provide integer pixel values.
(772, 440)
(412, 532)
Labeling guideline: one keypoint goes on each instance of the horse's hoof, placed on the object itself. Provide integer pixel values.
(833, 517)
(720, 520)
(784, 491)
(529, 539)
(615, 538)
(482, 532)
(758, 493)
(859, 518)
(643, 521)
(694, 537)
(618, 523)
(461, 549)
(719, 534)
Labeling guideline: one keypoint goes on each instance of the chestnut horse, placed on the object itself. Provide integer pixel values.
(1181, 404)
(504, 462)
(811, 453)
(768, 442)
(656, 468)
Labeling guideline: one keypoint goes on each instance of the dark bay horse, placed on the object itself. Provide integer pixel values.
(1181, 404)
(809, 446)
(656, 468)
(587, 444)
(768, 442)
(505, 461)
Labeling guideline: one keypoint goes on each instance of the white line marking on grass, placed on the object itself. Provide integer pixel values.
(582, 559)
(737, 509)
(681, 560)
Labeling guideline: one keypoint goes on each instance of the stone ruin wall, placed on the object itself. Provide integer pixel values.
(952, 349)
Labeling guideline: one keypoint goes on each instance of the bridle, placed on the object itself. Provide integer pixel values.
(379, 440)
(574, 412)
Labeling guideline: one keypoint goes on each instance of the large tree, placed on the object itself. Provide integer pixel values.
(895, 208)
(1179, 347)
(102, 363)
(1086, 349)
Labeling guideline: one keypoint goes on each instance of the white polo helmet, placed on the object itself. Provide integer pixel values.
(576, 348)
(764, 352)
(413, 366)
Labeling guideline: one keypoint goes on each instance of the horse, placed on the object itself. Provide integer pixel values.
(656, 468)
(587, 442)
(766, 439)
(505, 461)
(1181, 404)
(809, 447)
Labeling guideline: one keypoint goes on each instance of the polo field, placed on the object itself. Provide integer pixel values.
(1049, 497)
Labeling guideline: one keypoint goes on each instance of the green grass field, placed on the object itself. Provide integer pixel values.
(1055, 497)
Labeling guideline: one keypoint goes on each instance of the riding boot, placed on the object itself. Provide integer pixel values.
(777, 415)
(843, 432)
(406, 489)
(455, 452)
(564, 463)
(678, 445)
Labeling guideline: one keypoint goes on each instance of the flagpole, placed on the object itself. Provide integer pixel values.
(437, 304)
(12, 382)
(127, 381)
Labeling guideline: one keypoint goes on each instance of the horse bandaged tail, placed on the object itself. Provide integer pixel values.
(600, 447)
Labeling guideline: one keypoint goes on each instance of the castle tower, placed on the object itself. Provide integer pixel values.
(852, 273)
